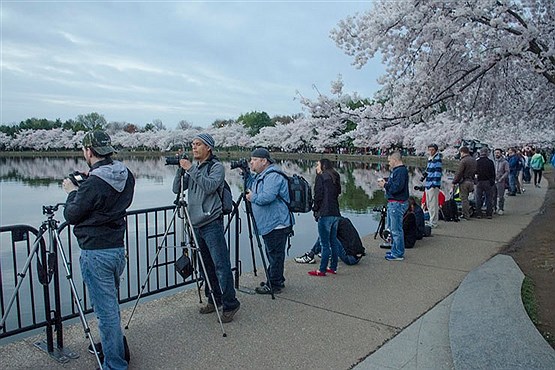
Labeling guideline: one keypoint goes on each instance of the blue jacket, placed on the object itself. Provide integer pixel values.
(270, 192)
(515, 164)
(433, 172)
(397, 186)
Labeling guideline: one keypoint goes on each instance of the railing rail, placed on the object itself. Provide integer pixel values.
(147, 230)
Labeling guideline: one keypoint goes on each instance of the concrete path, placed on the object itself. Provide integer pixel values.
(334, 322)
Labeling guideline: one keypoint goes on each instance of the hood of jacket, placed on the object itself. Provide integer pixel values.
(112, 172)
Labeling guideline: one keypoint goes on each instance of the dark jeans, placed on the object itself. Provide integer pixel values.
(213, 249)
(537, 176)
(275, 242)
(484, 192)
(343, 256)
(526, 174)
(513, 179)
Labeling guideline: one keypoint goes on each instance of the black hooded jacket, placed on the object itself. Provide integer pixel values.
(326, 193)
(98, 207)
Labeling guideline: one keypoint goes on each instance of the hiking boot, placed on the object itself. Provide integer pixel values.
(305, 258)
(265, 289)
(316, 273)
(209, 308)
(227, 316)
(391, 257)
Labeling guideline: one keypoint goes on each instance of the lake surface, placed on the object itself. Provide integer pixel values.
(26, 184)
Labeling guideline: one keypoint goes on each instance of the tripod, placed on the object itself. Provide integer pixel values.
(182, 212)
(50, 228)
(381, 225)
(251, 223)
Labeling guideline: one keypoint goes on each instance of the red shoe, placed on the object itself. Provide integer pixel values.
(316, 273)
(331, 271)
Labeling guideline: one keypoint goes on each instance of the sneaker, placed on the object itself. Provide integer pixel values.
(500, 212)
(209, 308)
(385, 246)
(265, 289)
(388, 253)
(511, 194)
(305, 258)
(320, 255)
(316, 273)
(98, 347)
(227, 316)
(391, 257)
(334, 272)
(489, 217)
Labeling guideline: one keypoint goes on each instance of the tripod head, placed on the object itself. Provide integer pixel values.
(49, 210)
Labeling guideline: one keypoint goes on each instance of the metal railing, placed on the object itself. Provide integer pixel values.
(145, 234)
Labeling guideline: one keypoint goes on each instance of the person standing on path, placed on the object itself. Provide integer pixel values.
(327, 188)
(204, 181)
(97, 208)
(485, 176)
(537, 163)
(464, 178)
(433, 183)
(397, 193)
(501, 178)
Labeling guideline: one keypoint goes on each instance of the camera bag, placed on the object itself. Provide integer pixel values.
(184, 266)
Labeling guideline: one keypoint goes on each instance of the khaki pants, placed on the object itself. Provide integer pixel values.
(465, 188)
(432, 203)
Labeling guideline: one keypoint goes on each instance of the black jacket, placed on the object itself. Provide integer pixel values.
(326, 194)
(485, 170)
(98, 207)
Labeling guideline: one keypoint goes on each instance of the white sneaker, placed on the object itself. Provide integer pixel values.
(500, 212)
(305, 258)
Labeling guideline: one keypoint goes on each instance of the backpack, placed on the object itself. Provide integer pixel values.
(225, 193)
(348, 235)
(450, 210)
(300, 193)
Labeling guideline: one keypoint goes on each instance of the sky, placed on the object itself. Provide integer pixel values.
(137, 61)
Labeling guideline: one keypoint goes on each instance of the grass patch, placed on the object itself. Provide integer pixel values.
(529, 299)
(531, 305)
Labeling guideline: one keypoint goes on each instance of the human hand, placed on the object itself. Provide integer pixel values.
(185, 164)
(68, 186)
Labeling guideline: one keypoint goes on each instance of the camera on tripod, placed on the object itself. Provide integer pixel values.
(242, 163)
(77, 178)
(174, 159)
(382, 209)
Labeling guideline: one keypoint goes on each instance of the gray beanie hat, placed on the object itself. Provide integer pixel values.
(207, 139)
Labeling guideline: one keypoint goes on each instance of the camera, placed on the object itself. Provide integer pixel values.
(77, 178)
(382, 209)
(242, 163)
(424, 176)
(174, 159)
(420, 188)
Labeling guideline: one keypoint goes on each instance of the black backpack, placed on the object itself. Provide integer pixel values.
(300, 193)
(348, 235)
(450, 211)
(225, 193)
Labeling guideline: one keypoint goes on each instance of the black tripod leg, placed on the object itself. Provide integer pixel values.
(262, 257)
(21, 275)
(76, 298)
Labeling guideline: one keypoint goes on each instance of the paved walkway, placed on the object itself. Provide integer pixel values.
(334, 322)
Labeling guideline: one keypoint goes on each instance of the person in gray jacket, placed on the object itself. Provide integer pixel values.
(501, 177)
(204, 181)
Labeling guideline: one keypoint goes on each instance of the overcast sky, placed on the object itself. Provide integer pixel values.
(198, 61)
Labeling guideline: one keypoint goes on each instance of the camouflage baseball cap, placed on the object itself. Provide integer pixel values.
(99, 141)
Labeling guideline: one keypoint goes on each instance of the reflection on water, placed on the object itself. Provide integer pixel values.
(28, 183)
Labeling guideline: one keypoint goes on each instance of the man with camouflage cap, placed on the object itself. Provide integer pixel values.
(97, 208)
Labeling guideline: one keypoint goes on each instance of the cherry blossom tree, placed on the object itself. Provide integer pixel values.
(488, 64)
